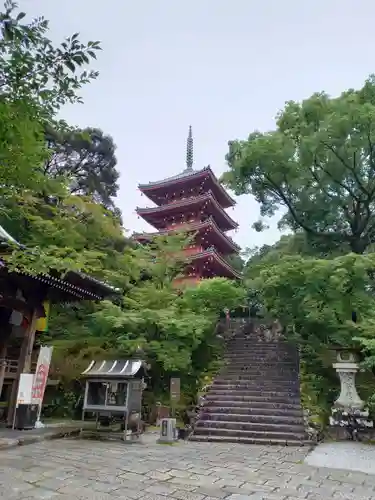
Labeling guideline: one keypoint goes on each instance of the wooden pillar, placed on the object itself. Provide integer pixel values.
(3, 364)
(24, 363)
(6, 332)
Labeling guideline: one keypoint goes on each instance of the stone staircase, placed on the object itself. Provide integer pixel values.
(255, 398)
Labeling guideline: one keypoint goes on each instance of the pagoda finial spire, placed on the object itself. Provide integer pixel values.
(189, 150)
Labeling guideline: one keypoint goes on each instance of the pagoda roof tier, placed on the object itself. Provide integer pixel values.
(187, 181)
(205, 202)
(208, 227)
(215, 262)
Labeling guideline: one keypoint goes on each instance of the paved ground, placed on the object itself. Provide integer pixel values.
(74, 469)
(344, 455)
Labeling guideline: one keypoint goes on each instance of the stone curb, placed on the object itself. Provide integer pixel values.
(6, 443)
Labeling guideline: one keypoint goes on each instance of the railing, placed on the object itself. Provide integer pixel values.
(11, 367)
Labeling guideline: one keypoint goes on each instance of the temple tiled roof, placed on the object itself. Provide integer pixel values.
(182, 175)
(186, 202)
(79, 284)
(211, 252)
(185, 175)
(191, 227)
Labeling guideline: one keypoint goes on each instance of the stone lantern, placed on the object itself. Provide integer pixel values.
(348, 410)
(346, 368)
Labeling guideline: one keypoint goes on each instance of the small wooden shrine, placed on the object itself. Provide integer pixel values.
(113, 393)
(24, 301)
(193, 201)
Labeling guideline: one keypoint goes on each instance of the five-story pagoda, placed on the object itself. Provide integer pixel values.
(193, 201)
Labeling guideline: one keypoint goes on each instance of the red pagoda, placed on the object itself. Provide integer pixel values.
(193, 201)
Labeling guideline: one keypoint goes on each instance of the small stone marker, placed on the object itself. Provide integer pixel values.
(168, 431)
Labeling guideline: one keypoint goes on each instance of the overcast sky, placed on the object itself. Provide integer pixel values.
(224, 66)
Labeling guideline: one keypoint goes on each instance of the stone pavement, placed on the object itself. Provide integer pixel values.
(346, 455)
(83, 469)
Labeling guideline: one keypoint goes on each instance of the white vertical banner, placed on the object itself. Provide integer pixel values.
(41, 375)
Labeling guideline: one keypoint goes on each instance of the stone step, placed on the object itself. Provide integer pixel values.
(259, 363)
(231, 416)
(259, 434)
(253, 343)
(255, 391)
(264, 360)
(254, 405)
(244, 351)
(273, 427)
(246, 440)
(259, 347)
(251, 399)
(258, 373)
(250, 377)
(255, 340)
(253, 385)
(239, 382)
(253, 368)
(247, 411)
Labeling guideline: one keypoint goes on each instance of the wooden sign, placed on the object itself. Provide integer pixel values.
(175, 389)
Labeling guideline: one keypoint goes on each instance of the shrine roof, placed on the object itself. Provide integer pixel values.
(185, 176)
(120, 368)
(74, 284)
(6, 238)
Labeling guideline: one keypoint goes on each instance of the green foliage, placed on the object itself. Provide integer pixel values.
(58, 202)
(172, 329)
(36, 79)
(86, 158)
(316, 297)
(70, 234)
(21, 149)
(318, 165)
(214, 295)
(34, 70)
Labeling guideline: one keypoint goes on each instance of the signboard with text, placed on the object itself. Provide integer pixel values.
(175, 389)
(25, 387)
(41, 375)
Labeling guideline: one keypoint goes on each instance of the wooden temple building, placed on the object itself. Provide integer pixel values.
(24, 302)
(193, 201)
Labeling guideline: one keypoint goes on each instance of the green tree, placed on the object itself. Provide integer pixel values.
(86, 158)
(214, 295)
(73, 233)
(314, 299)
(236, 261)
(174, 330)
(318, 165)
(34, 70)
(36, 79)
